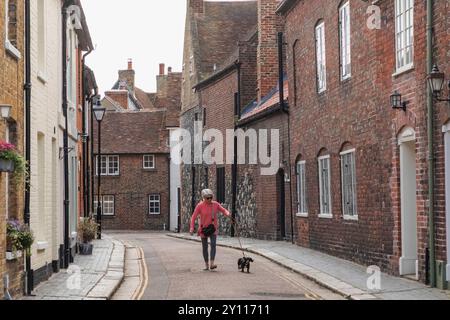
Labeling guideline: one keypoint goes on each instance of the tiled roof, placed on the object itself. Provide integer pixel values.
(144, 99)
(217, 33)
(133, 132)
(272, 99)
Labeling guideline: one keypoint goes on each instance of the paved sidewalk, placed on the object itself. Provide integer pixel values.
(94, 277)
(346, 278)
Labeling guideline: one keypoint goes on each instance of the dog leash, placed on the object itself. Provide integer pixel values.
(239, 238)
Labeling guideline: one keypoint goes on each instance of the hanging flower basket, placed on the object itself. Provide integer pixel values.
(12, 161)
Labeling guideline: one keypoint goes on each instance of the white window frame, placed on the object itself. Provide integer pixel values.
(113, 202)
(404, 34)
(8, 45)
(144, 161)
(323, 214)
(105, 165)
(345, 41)
(302, 205)
(321, 65)
(153, 201)
(346, 215)
(42, 40)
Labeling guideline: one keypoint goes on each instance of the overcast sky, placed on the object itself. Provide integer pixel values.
(149, 32)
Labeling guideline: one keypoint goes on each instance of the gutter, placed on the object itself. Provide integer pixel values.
(235, 65)
(431, 164)
(27, 87)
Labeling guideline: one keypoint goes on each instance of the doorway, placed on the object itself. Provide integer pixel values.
(408, 196)
(281, 205)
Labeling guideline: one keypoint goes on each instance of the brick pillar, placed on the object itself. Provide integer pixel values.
(269, 24)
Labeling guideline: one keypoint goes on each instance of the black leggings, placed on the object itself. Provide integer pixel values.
(213, 248)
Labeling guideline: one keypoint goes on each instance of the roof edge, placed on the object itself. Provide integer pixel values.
(225, 71)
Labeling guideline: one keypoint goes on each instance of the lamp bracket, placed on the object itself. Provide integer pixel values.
(64, 151)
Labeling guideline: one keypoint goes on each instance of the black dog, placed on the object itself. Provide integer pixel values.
(244, 263)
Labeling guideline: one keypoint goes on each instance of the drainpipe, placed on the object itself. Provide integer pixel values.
(431, 227)
(66, 137)
(84, 141)
(88, 158)
(234, 173)
(27, 88)
(284, 108)
(91, 138)
(169, 198)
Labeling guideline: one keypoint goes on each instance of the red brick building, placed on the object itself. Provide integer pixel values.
(243, 89)
(364, 166)
(135, 152)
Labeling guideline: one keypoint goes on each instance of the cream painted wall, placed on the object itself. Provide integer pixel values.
(46, 193)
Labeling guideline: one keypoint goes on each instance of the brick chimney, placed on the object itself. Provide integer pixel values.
(269, 24)
(119, 96)
(197, 6)
(161, 81)
(128, 76)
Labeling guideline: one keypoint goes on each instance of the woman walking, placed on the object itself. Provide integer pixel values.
(208, 211)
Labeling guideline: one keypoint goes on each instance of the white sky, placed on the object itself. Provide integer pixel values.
(148, 31)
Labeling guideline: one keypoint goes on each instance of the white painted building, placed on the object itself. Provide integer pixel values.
(46, 195)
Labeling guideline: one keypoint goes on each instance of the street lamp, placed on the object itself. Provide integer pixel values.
(99, 113)
(436, 80)
(5, 111)
(396, 101)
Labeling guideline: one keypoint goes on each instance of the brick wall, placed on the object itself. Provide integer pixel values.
(366, 122)
(11, 93)
(131, 190)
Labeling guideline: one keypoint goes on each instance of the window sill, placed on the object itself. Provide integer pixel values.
(12, 50)
(403, 70)
(326, 216)
(351, 218)
(302, 215)
(154, 214)
(42, 77)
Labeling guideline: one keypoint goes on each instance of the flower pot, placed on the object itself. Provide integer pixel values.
(6, 165)
(85, 249)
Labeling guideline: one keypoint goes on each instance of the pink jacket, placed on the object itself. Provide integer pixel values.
(205, 211)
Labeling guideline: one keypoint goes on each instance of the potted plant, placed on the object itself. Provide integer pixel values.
(88, 231)
(12, 161)
(18, 237)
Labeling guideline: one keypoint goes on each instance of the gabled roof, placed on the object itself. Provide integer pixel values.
(215, 33)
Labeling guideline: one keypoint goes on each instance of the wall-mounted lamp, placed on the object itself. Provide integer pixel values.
(5, 111)
(436, 80)
(396, 101)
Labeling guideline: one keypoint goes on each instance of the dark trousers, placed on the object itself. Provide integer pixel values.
(213, 248)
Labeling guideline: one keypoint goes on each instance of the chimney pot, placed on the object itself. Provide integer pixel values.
(169, 70)
(162, 69)
(130, 64)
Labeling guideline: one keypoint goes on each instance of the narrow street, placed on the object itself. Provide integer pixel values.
(175, 273)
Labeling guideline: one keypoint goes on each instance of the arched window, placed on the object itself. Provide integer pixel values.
(344, 40)
(324, 165)
(348, 181)
(302, 209)
(321, 57)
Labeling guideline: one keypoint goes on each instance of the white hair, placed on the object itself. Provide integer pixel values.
(207, 193)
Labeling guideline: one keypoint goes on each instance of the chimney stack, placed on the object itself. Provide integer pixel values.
(127, 76)
(269, 24)
(162, 69)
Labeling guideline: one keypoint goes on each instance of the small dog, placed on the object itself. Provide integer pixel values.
(244, 263)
